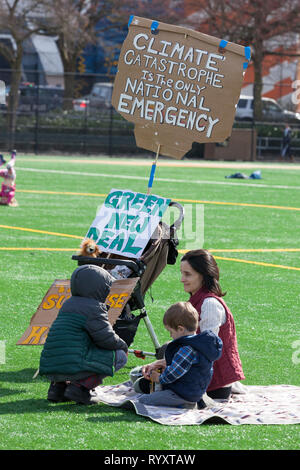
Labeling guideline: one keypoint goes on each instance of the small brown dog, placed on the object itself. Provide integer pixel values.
(89, 248)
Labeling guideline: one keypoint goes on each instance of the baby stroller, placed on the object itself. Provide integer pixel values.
(160, 251)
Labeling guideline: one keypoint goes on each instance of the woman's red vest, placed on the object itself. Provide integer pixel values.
(228, 368)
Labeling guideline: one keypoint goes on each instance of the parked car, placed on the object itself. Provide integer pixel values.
(99, 98)
(33, 97)
(271, 110)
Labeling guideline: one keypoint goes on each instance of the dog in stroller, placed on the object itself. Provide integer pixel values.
(160, 251)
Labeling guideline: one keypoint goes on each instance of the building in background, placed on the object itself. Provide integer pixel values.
(281, 70)
(41, 61)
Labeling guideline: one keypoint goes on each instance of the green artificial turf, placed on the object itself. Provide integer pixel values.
(263, 298)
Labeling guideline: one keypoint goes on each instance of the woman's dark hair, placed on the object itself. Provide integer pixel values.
(204, 263)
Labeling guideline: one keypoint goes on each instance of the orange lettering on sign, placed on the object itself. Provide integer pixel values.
(50, 302)
(117, 300)
(35, 335)
(56, 300)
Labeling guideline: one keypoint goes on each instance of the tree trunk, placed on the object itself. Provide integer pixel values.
(257, 88)
(258, 45)
(14, 97)
(69, 78)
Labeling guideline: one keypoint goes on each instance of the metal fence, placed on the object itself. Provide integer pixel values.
(48, 123)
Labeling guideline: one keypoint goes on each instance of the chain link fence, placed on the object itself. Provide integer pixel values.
(48, 122)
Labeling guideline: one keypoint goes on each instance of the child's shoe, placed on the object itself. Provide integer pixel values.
(56, 392)
(79, 394)
(142, 385)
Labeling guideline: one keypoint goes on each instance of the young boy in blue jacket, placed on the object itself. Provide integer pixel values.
(188, 365)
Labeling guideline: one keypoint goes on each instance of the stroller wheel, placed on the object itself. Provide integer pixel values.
(160, 353)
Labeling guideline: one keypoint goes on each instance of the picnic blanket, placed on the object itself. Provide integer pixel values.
(272, 404)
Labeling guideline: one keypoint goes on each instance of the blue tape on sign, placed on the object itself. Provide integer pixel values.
(130, 20)
(154, 26)
(151, 178)
(223, 43)
(248, 52)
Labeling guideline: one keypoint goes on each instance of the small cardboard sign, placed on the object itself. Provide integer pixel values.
(177, 85)
(126, 221)
(47, 311)
(118, 297)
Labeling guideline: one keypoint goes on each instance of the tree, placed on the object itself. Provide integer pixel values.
(247, 22)
(74, 23)
(17, 18)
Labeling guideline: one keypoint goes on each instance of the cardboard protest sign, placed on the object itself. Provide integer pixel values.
(37, 331)
(118, 297)
(177, 85)
(125, 222)
(46, 313)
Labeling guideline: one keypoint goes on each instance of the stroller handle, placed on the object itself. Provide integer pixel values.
(137, 267)
(178, 221)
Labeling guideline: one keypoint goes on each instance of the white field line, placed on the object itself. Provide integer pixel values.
(163, 180)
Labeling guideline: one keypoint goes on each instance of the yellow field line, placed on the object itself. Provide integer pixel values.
(268, 206)
(196, 201)
(259, 263)
(180, 251)
(10, 248)
(212, 250)
(41, 231)
(253, 250)
(68, 193)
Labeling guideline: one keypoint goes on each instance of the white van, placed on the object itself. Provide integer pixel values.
(272, 111)
(98, 99)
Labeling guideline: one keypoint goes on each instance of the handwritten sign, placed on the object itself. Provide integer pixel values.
(118, 297)
(177, 85)
(47, 311)
(126, 221)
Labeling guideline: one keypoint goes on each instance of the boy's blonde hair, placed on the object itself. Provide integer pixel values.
(183, 314)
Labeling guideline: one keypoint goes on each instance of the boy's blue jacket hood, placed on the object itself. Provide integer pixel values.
(206, 343)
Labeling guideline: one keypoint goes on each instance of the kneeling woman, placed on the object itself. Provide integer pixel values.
(200, 278)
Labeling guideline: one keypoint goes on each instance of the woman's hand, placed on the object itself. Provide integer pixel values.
(147, 369)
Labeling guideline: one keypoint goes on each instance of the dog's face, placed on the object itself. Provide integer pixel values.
(89, 248)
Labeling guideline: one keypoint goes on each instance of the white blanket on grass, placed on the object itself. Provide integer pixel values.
(272, 404)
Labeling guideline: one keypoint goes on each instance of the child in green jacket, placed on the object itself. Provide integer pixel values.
(82, 348)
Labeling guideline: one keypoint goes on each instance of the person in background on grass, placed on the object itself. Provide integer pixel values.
(188, 366)
(81, 347)
(8, 187)
(286, 143)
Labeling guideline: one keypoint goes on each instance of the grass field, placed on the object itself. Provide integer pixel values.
(252, 228)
